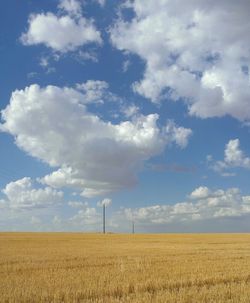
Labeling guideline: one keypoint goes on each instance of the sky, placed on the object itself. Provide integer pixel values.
(141, 106)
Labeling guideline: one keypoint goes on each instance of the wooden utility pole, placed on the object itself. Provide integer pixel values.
(133, 227)
(104, 215)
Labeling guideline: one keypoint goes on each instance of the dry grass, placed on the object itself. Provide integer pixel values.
(51, 267)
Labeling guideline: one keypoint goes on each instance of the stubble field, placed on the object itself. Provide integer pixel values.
(65, 267)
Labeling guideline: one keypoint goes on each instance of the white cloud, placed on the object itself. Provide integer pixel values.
(178, 134)
(208, 204)
(86, 216)
(106, 202)
(90, 215)
(96, 91)
(73, 7)
(125, 66)
(200, 192)
(195, 50)
(130, 111)
(21, 194)
(92, 156)
(60, 33)
(233, 157)
(101, 2)
(45, 64)
(87, 55)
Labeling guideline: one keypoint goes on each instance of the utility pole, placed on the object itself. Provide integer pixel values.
(133, 227)
(104, 227)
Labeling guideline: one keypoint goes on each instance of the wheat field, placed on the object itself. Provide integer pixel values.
(75, 267)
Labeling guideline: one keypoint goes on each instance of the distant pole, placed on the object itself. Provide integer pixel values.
(133, 227)
(104, 227)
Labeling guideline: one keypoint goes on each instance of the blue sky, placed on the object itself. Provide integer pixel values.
(140, 106)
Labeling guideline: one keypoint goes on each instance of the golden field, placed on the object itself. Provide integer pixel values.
(75, 267)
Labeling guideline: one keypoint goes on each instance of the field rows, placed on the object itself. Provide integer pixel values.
(58, 267)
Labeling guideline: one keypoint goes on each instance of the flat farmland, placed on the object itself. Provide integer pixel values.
(78, 267)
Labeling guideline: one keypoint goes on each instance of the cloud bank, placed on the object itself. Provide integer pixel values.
(22, 194)
(197, 51)
(205, 204)
(90, 155)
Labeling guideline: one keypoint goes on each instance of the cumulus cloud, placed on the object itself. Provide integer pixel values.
(90, 155)
(200, 192)
(178, 134)
(101, 2)
(86, 216)
(87, 55)
(233, 157)
(130, 111)
(105, 202)
(207, 204)
(197, 51)
(96, 91)
(62, 33)
(90, 215)
(72, 7)
(125, 66)
(22, 194)
(45, 64)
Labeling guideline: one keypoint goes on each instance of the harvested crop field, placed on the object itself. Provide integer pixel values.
(75, 267)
